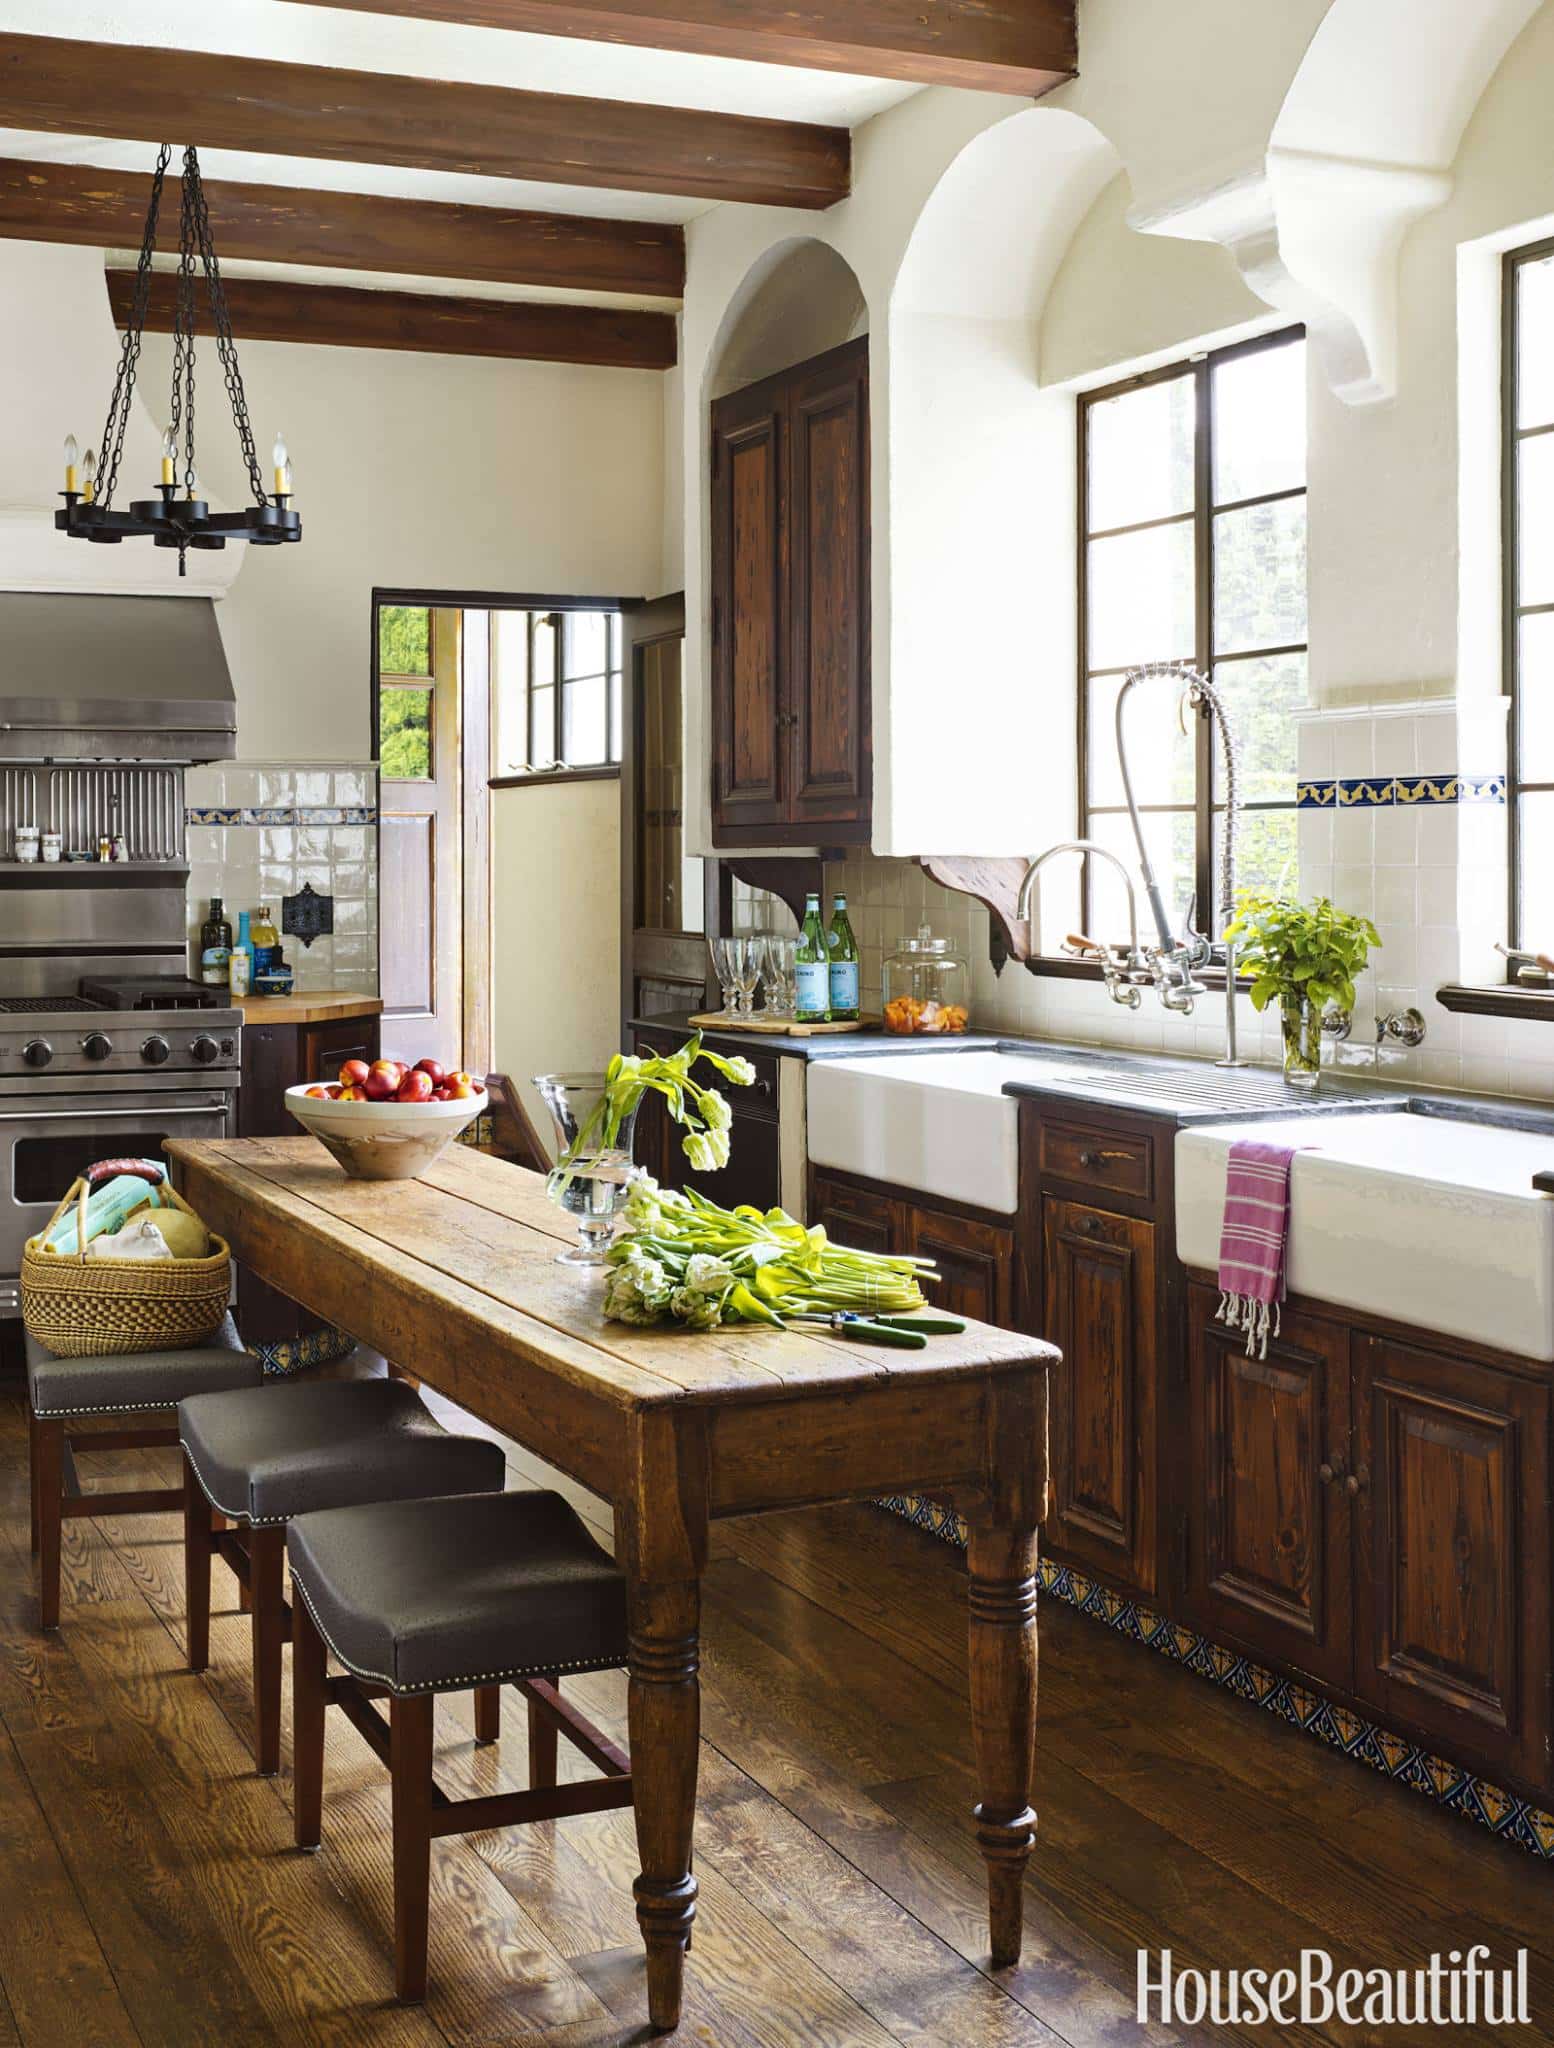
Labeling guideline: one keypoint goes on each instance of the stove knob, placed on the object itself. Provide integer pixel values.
(205, 1050)
(37, 1052)
(95, 1046)
(155, 1051)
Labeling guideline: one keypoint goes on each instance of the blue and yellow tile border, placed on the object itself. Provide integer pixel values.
(281, 814)
(325, 1345)
(1380, 792)
(1512, 1818)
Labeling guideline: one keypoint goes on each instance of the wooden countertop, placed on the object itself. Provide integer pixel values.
(309, 1006)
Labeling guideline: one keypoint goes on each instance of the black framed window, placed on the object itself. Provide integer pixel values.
(1192, 547)
(1528, 559)
(557, 682)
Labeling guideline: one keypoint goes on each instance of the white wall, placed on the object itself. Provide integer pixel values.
(420, 472)
(555, 855)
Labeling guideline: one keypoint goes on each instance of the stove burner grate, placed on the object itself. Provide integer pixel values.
(21, 1006)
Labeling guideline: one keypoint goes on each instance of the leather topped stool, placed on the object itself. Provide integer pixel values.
(67, 1399)
(418, 1597)
(260, 1456)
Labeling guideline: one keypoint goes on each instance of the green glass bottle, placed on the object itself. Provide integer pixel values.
(812, 967)
(844, 965)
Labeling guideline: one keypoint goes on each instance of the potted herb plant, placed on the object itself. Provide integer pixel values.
(1306, 954)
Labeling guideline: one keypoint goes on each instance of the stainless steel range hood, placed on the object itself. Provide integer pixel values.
(89, 678)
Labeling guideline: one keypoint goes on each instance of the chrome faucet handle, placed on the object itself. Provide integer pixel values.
(1406, 1027)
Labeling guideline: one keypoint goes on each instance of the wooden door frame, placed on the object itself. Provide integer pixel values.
(476, 773)
(646, 625)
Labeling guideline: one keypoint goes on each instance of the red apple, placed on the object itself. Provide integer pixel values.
(353, 1072)
(352, 1095)
(435, 1068)
(380, 1087)
(461, 1090)
(416, 1087)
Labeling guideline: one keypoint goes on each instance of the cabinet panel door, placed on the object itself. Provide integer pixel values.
(1451, 1466)
(975, 1261)
(326, 1047)
(750, 610)
(1269, 1556)
(829, 724)
(1100, 1310)
(856, 1217)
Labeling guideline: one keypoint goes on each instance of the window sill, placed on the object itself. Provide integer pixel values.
(1502, 1000)
(609, 773)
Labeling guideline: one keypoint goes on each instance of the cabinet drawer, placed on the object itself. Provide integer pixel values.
(1098, 1159)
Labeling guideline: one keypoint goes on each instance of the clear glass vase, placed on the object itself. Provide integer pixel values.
(592, 1177)
(1302, 1025)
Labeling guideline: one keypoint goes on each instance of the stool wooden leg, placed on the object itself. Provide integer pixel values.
(196, 1569)
(48, 1491)
(488, 1713)
(309, 1664)
(32, 1474)
(542, 1742)
(266, 1578)
(410, 1759)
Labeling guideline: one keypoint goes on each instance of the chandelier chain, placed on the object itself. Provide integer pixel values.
(129, 352)
(194, 195)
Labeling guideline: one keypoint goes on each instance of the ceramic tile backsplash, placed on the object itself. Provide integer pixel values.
(1401, 816)
(258, 831)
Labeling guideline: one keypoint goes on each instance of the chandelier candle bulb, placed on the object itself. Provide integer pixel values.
(169, 451)
(89, 475)
(72, 458)
(282, 462)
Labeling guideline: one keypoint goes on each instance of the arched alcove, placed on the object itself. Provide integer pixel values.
(798, 299)
(981, 497)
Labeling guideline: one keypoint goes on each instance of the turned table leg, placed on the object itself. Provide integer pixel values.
(664, 1712)
(1002, 1604)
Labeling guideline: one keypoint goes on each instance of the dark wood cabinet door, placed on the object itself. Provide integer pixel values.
(1269, 1561)
(856, 1217)
(975, 1262)
(1100, 1310)
(272, 1063)
(326, 1047)
(828, 724)
(749, 611)
(1452, 1522)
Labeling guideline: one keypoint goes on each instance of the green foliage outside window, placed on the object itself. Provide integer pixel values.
(404, 640)
(405, 735)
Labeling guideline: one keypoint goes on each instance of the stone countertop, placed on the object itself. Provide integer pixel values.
(1181, 1091)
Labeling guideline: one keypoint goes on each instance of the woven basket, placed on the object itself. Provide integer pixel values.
(82, 1307)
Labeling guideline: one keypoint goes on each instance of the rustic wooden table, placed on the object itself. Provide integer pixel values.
(454, 1278)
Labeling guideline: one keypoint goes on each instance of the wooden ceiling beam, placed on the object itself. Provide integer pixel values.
(78, 203)
(312, 110)
(340, 316)
(1015, 46)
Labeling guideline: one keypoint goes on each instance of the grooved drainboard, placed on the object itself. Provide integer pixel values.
(1232, 1089)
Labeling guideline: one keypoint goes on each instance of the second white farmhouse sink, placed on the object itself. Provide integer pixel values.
(1426, 1219)
(933, 1121)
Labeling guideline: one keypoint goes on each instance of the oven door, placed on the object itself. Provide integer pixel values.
(46, 1140)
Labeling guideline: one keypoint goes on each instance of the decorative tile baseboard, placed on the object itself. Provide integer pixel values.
(1373, 792)
(1505, 1814)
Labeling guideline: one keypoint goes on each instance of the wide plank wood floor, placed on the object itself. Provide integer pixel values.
(149, 1892)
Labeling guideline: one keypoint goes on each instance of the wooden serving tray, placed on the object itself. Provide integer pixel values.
(784, 1027)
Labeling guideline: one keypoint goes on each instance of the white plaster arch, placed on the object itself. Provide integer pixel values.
(1360, 149)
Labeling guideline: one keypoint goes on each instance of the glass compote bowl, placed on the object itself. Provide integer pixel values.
(592, 1178)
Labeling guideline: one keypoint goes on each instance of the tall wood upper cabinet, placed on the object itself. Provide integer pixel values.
(791, 729)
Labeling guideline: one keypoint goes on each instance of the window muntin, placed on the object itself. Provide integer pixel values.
(557, 687)
(1192, 548)
(1528, 567)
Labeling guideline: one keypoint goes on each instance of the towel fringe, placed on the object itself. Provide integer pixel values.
(1258, 1319)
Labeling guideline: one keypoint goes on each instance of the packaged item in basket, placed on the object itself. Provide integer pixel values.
(139, 1239)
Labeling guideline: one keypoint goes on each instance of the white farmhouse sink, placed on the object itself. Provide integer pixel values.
(934, 1121)
(1425, 1219)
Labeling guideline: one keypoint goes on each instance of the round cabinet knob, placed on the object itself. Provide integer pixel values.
(96, 1046)
(37, 1052)
(1089, 1158)
(205, 1050)
(155, 1051)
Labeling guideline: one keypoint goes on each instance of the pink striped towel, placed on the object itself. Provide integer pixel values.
(1252, 1239)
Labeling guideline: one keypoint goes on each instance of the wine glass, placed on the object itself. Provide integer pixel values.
(745, 963)
(722, 967)
(592, 1179)
(779, 962)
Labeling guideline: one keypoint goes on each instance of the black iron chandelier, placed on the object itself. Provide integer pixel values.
(179, 516)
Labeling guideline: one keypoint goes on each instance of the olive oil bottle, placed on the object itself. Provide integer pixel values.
(215, 946)
(812, 967)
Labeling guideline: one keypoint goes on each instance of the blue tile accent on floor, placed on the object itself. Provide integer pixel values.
(1505, 1814)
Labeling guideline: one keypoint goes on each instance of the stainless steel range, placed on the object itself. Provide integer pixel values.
(106, 1046)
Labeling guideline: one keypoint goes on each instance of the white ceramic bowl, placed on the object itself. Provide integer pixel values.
(382, 1140)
